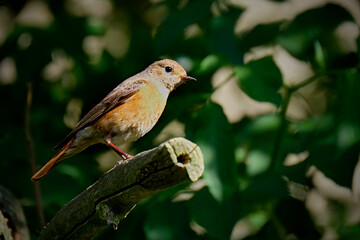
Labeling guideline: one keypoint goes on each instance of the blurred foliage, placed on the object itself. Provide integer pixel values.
(262, 171)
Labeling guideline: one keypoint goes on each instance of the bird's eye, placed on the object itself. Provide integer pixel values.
(168, 69)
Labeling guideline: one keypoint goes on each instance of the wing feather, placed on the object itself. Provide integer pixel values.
(116, 97)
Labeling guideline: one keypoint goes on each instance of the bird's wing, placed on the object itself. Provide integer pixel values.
(116, 97)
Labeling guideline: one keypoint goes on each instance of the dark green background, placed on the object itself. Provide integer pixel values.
(232, 193)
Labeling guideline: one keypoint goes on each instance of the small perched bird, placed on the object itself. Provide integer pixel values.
(127, 113)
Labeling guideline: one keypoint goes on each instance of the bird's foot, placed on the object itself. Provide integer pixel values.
(121, 153)
(127, 156)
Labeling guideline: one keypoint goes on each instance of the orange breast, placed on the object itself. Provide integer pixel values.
(134, 118)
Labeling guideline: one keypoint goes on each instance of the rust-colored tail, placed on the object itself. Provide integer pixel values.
(52, 163)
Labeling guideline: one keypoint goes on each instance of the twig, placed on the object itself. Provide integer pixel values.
(283, 122)
(31, 154)
(315, 77)
(281, 130)
(226, 80)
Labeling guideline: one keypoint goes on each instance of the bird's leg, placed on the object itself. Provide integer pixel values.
(121, 153)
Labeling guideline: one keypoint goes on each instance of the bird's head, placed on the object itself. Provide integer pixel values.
(169, 73)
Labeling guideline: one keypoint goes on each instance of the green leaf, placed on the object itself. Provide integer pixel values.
(258, 162)
(264, 187)
(217, 218)
(167, 221)
(349, 232)
(264, 124)
(172, 28)
(211, 131)
(222, 38)
(335, 164)
(211, 63)
(260, 35)
(95, 26)
(261, 79)
(320, 55)
(316, 24)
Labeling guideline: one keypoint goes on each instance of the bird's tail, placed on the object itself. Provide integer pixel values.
(52, 163)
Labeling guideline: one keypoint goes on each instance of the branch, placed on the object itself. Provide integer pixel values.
(115, 194)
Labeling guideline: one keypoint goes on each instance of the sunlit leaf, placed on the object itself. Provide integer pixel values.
(264, 124)
(320, 55)
(257, 162)
(211, 63)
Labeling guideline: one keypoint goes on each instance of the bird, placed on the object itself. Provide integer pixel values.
(127, 113)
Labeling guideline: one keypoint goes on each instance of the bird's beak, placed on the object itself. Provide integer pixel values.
(187, 78)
